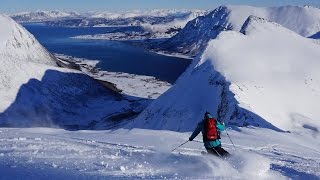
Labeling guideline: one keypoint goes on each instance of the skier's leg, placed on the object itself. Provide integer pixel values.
(222, 151)
(213, 152)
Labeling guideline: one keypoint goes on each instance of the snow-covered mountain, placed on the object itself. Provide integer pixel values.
(157, 23)
(40, 16)
(196, 34)
(34, 92)
(141, 13)
(110, 18)
(19, 44)
(266, 75)
(262, 75)
(171, 28)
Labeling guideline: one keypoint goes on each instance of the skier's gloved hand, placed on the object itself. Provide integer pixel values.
(190, 139)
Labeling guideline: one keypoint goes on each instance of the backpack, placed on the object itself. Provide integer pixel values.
(211, 132)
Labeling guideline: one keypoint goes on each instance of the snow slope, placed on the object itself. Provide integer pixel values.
(18, 51)
(194, 37)
(34, 92)
(39, 153)
(18, 43)
(266, 76)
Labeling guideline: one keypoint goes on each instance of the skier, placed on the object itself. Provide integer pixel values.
(210, 129)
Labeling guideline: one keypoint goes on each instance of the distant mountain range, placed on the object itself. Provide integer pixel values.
(158, 23)
(41, 16)
(124, 18)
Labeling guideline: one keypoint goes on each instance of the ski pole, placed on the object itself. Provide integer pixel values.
(197, 141)
(230, 139)
(179, 146)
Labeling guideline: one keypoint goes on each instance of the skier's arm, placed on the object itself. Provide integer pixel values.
(220, 126)
(196, 132)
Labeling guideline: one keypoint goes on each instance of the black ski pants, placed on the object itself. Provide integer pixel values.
(218, 151)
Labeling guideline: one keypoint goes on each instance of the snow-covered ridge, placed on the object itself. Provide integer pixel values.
(18, 43)
(302, 20)
(268, 77)
(194, 37)
(35, 92)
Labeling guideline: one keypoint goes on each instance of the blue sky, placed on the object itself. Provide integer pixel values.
(10, 6)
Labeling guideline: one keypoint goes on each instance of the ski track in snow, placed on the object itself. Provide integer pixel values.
(43, 152)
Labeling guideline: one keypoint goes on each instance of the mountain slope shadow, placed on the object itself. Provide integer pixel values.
(62, 99)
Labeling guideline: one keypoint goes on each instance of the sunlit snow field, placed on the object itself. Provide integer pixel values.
(139, 153)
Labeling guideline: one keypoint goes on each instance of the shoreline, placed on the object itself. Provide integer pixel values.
(182, 56)
(90, 37)
(123, 83)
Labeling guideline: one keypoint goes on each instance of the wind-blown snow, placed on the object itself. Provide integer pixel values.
(302, 20)
(268, 76)
(178, 23)
(137, 153)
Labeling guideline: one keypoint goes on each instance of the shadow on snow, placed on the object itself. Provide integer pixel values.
(68, 100)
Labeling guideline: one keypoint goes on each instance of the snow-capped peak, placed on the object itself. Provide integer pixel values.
(254, 21)
(268, 77)
(18, 43)
(194, 37)
(34, 92)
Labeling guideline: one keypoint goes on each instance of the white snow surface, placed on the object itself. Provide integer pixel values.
(302, 20)
(19, 52)
(16, 42)
(273, 72)
(44, 153)
(266, 77)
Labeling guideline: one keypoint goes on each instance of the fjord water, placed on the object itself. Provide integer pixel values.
(114, 56)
